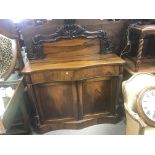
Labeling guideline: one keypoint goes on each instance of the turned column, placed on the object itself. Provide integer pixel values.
(139, 54)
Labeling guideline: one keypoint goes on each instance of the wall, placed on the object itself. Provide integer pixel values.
(7, 28)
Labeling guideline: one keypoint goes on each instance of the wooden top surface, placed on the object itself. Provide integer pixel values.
(141, 70)
(147, 65)
(72, 62)
(145, 29)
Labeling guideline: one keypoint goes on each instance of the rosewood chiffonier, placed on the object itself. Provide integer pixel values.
(73, 79)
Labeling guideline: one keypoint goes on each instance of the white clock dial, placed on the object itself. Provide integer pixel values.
(148, 104)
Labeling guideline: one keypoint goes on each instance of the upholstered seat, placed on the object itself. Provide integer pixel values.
(8, 56)
(131, 88)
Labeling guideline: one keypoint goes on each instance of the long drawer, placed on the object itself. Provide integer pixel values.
(73, 75)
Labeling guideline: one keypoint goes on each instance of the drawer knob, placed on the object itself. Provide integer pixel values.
(66, 73)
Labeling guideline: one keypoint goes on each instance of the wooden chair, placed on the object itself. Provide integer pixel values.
(131, 88)
(10, 61)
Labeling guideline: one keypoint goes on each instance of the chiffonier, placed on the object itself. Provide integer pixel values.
(73, 79)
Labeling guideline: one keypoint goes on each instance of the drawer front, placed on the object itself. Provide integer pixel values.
(48, 76)
(80, 74)
(98, 71)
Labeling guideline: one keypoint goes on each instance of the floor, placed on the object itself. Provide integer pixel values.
(100, 129)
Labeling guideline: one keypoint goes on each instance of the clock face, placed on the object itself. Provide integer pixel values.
(146, 105)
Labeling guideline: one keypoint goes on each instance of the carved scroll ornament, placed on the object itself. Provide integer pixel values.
(69, 30)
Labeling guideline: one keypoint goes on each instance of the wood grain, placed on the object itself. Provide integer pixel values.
(59, 101)
(115, 30)
(75, 85)
(75, 63)
(148, 65)
(141, 57)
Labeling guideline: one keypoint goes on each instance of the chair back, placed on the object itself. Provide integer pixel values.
(8, 56)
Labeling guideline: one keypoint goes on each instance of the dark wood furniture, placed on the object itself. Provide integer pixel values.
(140, 49)
(74, 79)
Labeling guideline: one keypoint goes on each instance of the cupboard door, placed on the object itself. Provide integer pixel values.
(99, 96)
(56, 102)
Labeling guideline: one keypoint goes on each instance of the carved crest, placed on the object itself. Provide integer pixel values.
(69, 30)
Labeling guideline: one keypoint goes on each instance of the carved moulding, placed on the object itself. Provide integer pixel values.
(69, 30)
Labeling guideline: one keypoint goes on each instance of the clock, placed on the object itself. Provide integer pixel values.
(146, 105)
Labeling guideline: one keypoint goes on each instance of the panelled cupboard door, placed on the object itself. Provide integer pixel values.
(98, 96)
(56, 101)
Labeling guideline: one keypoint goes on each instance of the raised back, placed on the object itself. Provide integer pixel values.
(69, 35)
(74, 46)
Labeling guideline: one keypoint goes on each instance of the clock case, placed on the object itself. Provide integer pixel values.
(140, 110)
